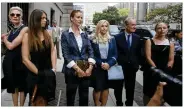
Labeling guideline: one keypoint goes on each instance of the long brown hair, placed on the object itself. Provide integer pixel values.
(34, 27)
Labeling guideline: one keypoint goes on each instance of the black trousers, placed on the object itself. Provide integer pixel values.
(83, 89)
(129, 78)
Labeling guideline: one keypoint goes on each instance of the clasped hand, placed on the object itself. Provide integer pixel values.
(81, 73)
(105, 66)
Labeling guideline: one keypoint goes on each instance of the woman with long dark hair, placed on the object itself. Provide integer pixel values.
(38, 51)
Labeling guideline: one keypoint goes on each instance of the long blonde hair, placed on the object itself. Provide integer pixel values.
(98, 37)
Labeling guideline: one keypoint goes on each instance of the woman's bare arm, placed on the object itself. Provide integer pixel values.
(53, 53)
(171, 56)
(26, 55)
(148, 53)
(17, 40)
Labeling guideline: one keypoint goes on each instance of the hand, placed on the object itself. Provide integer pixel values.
(88, 72)
(168, 69)
(105, 66)
(3, 36)
(157, 98)
(80, 73)
(54, 70)
(159, 90)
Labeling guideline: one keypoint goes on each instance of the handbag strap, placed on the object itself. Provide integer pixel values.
(34, 93)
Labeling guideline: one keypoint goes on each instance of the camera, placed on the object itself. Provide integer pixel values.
(172, 93)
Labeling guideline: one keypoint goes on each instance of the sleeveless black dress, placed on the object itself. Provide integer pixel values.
(42, 60)
(13, 68)
(160, 56)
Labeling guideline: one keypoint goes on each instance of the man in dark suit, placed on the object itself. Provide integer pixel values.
(128, 47)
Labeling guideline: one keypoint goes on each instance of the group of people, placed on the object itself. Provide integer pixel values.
(32, 51)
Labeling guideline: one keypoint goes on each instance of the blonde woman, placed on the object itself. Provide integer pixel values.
(12, 64)
(105, 52)
(159, 53)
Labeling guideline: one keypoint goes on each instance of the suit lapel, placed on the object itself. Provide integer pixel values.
(110, 46)
(74, 41)
(97, 49)
(83, 41)
(133, 41)
(124, 41)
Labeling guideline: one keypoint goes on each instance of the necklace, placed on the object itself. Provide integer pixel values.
(15, 30)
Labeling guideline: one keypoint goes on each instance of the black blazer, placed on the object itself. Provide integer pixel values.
(126, 56)
(71, 51)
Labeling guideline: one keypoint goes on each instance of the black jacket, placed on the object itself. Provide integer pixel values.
(131, 56)
(47, 84)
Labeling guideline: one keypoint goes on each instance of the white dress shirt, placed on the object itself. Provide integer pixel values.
(79, 43)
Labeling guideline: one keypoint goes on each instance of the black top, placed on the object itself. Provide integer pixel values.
(160, 55)
(13, 68)
(42, 60)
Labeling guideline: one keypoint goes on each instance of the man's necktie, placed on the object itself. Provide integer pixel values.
(128, 41)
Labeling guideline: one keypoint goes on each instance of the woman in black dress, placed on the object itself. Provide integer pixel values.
(38, 50)
(160, 54)
(14, 74)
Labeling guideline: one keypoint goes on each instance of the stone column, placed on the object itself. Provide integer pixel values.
(141, 12)
(131, 13)
(4, 17)
(151, 6)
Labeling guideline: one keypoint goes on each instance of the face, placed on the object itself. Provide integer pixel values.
(162, 29)
(15, 16)
(77, 19)
(104, 28)
(54, 24)
(179, 35)
(131, 27)
(43, 20)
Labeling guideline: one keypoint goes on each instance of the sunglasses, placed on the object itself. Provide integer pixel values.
(12, 15)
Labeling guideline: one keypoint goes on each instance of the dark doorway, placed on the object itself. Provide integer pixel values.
(52, 13)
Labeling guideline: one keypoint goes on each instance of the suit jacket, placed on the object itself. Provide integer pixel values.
(112, 53)
(71, 51)
(126, 56)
